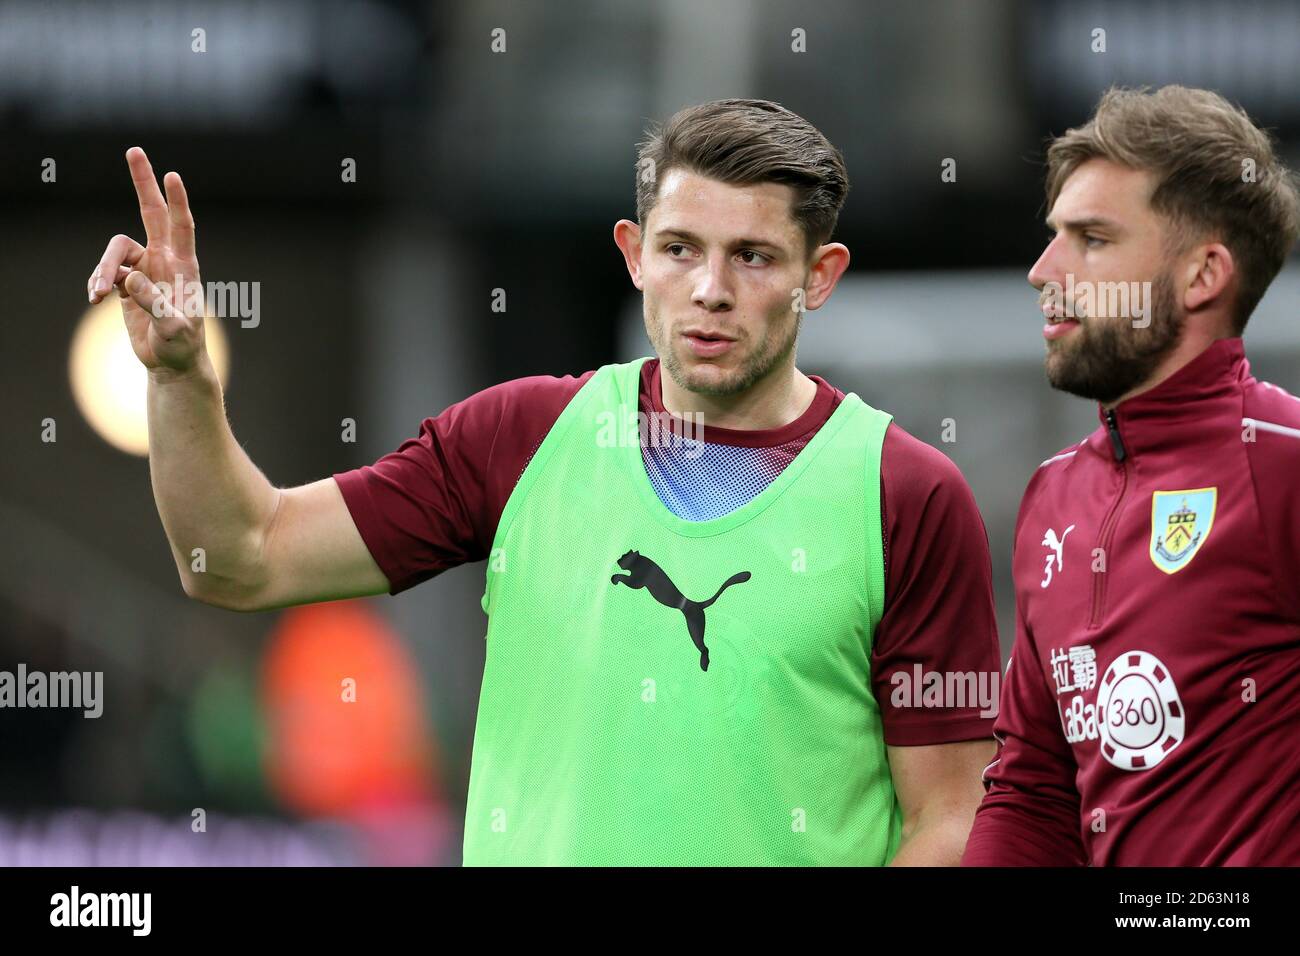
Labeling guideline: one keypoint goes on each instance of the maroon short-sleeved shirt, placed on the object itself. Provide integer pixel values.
(435, 501)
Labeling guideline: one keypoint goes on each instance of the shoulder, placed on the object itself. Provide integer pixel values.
(535, 397)
(502, 423)
(1270, 423)
(1052, 469)
(909, 462)
(1270, 432)
(918, 479)
(485, 441)
(1064, 455)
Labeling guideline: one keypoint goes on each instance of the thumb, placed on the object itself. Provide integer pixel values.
(148, 296)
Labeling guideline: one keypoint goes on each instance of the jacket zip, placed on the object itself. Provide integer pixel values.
(1108, 525)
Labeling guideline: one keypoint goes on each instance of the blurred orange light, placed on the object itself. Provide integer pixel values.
(328, 755)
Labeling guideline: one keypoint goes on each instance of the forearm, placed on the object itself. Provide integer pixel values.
(1013, 829)
(210, 495)
(937, 841)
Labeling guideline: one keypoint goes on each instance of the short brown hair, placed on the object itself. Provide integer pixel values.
(745, 142)
(1196, 143)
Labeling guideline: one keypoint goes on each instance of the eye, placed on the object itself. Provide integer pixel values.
(1094, 242)
(674, 245)
(751, 252)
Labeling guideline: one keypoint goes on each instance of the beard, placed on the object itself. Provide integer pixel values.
(1107, 357)
(773, 348)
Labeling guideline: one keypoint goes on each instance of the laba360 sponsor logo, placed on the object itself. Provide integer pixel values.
(1138, 717)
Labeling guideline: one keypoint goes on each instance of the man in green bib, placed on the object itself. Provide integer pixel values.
(735, 615)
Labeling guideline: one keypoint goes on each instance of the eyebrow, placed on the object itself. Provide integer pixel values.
(691, 237)
(1088, 222)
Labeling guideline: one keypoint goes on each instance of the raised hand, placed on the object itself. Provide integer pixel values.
(162, 334)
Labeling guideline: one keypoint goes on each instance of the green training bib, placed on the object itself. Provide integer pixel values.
(659, 691)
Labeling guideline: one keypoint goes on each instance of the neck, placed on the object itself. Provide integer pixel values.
(773, 402)
(1189, 347)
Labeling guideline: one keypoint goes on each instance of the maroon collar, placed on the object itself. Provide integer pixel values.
(823, 403)
(1184, 400)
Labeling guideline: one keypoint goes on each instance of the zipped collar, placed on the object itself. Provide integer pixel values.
(1178, 408)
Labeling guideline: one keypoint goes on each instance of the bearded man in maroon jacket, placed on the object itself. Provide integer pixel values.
(1151, 710)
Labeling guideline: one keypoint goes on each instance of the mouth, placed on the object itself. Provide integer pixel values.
(706, 343)
(1057, 325)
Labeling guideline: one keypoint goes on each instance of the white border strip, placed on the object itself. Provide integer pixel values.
(1272, 427)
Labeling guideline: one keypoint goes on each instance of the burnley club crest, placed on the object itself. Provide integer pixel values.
(1180, 523)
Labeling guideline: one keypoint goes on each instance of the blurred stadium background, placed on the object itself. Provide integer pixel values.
(477, 171)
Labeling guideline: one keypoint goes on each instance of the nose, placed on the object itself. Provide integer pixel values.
(713, 285)
(1049, 267)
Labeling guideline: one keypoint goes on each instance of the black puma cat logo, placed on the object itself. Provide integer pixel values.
(644, 573)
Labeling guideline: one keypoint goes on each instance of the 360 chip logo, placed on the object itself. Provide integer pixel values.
(1141, 716)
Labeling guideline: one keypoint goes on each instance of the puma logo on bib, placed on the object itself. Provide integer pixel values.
(644, 573)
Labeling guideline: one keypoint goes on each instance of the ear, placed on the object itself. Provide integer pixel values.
(627, 236)
(1209, 278)
(829, 263)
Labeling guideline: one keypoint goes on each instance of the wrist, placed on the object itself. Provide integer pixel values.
(201, 370)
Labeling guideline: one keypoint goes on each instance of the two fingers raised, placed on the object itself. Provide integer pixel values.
(168, 223)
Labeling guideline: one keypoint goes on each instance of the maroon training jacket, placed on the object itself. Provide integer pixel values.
(1150, 713)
